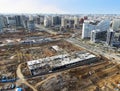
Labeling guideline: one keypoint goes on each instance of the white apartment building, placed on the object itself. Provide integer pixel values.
(104, 25)
(47, 21)
(76, 22)
(88, 28)
(116, 24)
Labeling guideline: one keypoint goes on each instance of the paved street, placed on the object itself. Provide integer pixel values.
(94, 50)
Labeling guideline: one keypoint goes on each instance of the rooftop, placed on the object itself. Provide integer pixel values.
(59, 60)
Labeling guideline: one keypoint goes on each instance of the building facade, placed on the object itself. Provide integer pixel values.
(56, 20)
(98, 36)
(1, 24)
(47, 21)
(87, 29)
(76, 22)
(116, 25)
(31, 25)
(104, 25)
(19, 21)
(11, 21)
(110, 37)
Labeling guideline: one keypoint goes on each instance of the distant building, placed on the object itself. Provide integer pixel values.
(85, 17)
(110, 37)
(116, 24)
(76, 22)
(47, 21)
(67, 23)
(1, 24)
(87, 28)
(64, 22)
(11, 21)
(97, 35)
(5, 21)
(19, 21)
(71, 23)
(31, 25)
(81, 21)
(41, 19)
(56, 20)
(116, 42)
(104, 25)
(25, 21)
(37, 20)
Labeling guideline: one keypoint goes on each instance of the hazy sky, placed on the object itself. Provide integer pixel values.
(60, 6)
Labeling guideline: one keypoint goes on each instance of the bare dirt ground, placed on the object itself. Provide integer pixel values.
(104, 76)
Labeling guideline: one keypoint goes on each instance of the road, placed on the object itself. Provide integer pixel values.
(47, 79)
(94, 50)
(22, 79)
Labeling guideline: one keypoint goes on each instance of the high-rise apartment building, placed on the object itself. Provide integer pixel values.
(104, 25)
(19, 21)
(47, 21)
(88, 27)
(31, 24)
(67, 23)
(116, 25)
(76, 22)
(56, 20)
(63, 22)
(25, 20)
(97, 35)
(11, 21)
(1, 24)
(110, 36)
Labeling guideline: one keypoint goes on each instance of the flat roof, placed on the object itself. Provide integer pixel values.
(56, 48)
(59, 60)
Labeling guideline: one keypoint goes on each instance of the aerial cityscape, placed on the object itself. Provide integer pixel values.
(59, 45)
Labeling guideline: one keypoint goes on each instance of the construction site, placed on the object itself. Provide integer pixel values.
(44, 62)
(103, 76)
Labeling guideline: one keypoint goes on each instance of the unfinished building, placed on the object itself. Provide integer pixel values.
(60, 62)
